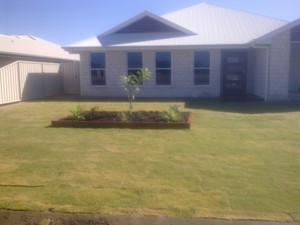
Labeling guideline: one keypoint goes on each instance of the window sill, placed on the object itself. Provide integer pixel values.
(98, 86)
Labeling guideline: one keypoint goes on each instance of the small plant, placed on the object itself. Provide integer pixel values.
(173, 114)
(92, 112)
(45, 222)
(132, 84)
(93, 109)
(124, 116)
(78, 113)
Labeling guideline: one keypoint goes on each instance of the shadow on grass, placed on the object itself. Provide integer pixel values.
(76, 98)
(247, 107)
(244, 107)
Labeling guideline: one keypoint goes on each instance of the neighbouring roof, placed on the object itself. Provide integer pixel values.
(200, 25)
(28, 45)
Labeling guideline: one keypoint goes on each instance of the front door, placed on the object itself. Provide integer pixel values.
(234, 72)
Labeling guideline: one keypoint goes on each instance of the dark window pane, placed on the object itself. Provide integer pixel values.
(163, 77)
(234, 59)
(98, 77)
(201, 59)
(134, 72)
(233, 77)
(201, 77)
(97, 60)
(163, 60)
(295, 34)
(235, 68)
(135, 59)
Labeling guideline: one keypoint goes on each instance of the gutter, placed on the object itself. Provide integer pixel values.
(267, 47)
(79, 49)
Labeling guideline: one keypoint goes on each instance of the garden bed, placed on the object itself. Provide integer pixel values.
(135, 120)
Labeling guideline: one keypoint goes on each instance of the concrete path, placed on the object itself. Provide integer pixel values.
(131, 220)
(8, 217)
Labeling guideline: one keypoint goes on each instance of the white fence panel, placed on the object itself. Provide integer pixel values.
(52, 79)
(23, 80)
(9, 84)
(31, 80)
(70, 71)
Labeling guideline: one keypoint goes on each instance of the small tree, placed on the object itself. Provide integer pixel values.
(132, 84)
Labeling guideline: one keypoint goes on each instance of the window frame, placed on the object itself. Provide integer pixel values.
(101, 69)
(295, 35)
(163, 68)
(135, 68)
(202, 68)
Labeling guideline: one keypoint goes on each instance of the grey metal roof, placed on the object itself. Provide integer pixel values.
(209, 25)
(266, 39)
(28, 45)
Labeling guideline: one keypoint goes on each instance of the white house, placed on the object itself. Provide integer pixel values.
(200, 51)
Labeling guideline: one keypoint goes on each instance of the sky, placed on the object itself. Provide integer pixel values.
(68, 21)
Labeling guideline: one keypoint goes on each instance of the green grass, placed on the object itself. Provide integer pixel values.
(239, 161)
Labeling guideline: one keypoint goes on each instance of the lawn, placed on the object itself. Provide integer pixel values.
(238, 161)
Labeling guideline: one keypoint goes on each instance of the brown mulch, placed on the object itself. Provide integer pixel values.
(135, 116)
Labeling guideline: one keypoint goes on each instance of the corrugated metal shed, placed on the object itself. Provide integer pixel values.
(28, 45)
(211, 26)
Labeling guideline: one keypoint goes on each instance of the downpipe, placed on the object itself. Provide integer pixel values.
(267, 47)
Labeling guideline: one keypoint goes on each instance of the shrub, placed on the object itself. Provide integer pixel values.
(173, 114)
(78, 113)
(132, 84)
(124, 116)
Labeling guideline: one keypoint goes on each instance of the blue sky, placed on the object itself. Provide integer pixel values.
(68, 21)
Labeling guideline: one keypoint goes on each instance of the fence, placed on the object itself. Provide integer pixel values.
(70, 71)
(30, 80)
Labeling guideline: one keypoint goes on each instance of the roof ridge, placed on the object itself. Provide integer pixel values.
(20, 36)
(188, 7)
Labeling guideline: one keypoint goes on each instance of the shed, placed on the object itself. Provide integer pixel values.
(31, 68)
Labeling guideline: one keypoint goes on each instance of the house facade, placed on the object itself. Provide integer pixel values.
(201, 51)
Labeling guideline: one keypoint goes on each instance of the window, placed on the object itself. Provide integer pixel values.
(295, 34)
(134, 62)
(201, 68)
(163, 68)
(98, 74)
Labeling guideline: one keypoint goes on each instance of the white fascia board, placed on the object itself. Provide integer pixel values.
(89, 42)
(153, 16)
(36, 58)
(266, 39)
(75, 49)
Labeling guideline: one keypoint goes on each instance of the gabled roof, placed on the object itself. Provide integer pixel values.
(28, 45)
(265, 39)
(209, 25)
(146, 22)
